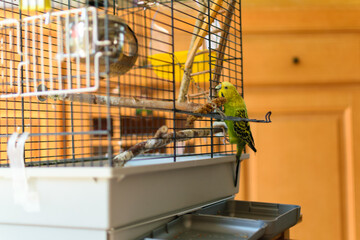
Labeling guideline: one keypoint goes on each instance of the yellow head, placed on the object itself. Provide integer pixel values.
(227, 90)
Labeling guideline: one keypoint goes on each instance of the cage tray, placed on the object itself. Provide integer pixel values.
(278, 217)
(192, 226)
(110, 198)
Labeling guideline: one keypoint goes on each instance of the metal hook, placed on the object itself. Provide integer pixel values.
(267, 117)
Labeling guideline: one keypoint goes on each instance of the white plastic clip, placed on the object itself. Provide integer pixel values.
(23, 194)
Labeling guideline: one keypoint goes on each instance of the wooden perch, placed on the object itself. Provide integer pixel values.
(223, 41)
(199, 21)
(127, 102)
(161, 139)
(199, 73)
(207, 108)
(202, 52)
(203, 31)
(198, 94)
(184, 87)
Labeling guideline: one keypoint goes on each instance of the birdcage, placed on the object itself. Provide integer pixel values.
(91, 82)
(110, 100)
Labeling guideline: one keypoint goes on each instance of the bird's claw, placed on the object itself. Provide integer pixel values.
(225, 140)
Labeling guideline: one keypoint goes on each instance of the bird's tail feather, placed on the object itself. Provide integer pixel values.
(240, 148)
(251, 145)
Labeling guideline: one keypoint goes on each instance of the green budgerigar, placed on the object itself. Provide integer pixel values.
(239, 131)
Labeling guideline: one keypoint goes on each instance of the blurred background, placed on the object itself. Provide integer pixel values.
(302, 61)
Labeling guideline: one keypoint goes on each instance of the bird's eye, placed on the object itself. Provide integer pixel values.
(225, 87)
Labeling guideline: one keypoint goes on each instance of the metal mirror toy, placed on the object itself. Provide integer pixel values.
(122, 48)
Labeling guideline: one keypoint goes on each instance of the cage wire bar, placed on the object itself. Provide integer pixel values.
(142, 48)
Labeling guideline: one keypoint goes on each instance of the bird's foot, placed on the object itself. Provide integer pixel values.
(225, 140)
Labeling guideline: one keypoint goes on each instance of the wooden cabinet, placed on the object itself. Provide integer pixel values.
(308, 155)
(305, 156)
(301, 58)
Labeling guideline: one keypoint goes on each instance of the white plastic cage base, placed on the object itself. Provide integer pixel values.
(118, 198)
(36, 58)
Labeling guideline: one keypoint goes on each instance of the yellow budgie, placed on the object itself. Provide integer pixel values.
(239, 131)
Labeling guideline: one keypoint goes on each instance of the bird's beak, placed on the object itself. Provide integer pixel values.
(218, 87)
